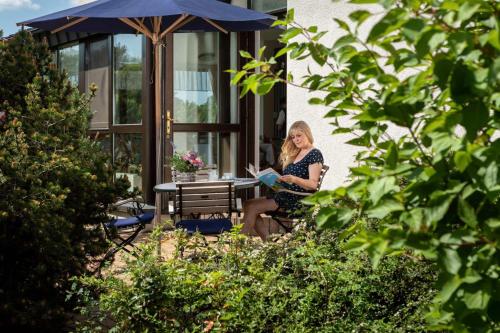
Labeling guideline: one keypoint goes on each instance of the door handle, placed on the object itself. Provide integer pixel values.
(168, 124)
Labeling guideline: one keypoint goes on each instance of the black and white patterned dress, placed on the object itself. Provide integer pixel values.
(289, 201)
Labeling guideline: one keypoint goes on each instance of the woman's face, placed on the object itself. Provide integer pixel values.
(299, 139)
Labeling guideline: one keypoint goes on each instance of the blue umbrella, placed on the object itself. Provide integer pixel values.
(154, 19)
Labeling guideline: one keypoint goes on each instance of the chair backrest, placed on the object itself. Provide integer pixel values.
(324, 170)
(205, 198)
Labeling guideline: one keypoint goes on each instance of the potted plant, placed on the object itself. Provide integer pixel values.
(184, 166)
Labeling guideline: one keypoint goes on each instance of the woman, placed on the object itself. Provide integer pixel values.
(301, 171)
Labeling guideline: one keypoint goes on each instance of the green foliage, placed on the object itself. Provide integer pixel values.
(431, 70)
(306, 284)
(55, 185)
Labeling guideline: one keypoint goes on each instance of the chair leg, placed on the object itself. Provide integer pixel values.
(122, 245)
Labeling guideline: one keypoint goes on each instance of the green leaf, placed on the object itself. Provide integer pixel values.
(336, 113)
(442, 71)
(332, 217)
(315, 101)
(363, 1)
(429, 42)
(477, 300)
(449, 288)
(359, 16)
(467, 10)
(389, 23)
(467, 213)
(462, 160)
(413, 28)
(261, 51)
(245, 54)
(493, 223)
(376, 250)
(342, 24)
(380, 187)
(289, 34)
(265, 87)
(491, 176)
(237, 77)
(451, 261)
(474, 117)
(391, 156)
(384, 208)
(343, 41)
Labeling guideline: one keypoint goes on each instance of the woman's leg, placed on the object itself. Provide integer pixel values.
(251, 210)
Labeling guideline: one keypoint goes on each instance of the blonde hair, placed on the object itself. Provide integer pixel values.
(288, 150)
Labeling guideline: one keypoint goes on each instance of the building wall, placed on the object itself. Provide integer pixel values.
(338, 155)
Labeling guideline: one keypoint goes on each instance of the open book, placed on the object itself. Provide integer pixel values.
(268, 176)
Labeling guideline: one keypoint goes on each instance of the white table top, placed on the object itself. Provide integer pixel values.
(239, 184)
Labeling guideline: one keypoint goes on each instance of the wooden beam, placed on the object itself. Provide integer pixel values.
(70, 24)
(215, 25)
(132, 24)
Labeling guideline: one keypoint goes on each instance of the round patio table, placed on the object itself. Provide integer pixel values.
(239, 184)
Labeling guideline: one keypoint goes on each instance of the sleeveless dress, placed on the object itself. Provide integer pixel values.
(289, 201)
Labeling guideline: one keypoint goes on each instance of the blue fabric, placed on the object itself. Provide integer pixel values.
(103, 16)
(131, 221)
(205, 226)
(289, 201)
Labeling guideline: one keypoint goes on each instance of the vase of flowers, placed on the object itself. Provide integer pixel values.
(184, 166)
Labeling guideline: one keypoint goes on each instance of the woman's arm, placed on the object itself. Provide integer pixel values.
(310, 184)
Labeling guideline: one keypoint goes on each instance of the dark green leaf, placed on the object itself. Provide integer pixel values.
(462, 160)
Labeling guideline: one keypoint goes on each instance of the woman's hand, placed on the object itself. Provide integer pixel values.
(287, 179)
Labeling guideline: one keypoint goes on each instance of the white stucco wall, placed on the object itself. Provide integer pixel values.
(338, 155)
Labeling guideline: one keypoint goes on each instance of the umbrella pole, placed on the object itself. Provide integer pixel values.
(158, 133)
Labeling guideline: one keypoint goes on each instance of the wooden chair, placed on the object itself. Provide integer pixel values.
(204, 207)
(287, 220)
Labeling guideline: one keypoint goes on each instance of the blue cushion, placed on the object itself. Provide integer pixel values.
(130, 221)
(205, 226)
(146, 217)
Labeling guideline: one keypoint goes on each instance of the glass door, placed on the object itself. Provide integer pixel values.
(203, 118)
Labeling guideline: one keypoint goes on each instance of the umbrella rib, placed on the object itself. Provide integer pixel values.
(218, 27)
(70, 24)
(140, 23)
(178, 23)
(131, 23)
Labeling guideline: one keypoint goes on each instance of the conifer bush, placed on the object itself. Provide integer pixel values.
(55, 186)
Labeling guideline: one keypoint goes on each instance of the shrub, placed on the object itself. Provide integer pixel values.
(55, 185)
(306, 284)
(432, 70)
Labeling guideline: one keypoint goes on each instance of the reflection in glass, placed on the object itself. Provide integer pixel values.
(69, 61)
(196, 69)
(97, 77)
(127, 157)
(218, 149)
(268, 5)
(127, 75)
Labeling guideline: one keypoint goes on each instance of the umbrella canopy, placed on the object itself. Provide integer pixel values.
(105, 16)
(155, 19)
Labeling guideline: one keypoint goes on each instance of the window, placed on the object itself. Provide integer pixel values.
(215, 148)
(97, 77)
(69, 61)
(196, 71)
(268, 5)
(127, 157)
(127, 77)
